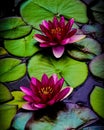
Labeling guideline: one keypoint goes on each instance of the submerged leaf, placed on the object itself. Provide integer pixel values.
(69, 116)
(21, 119)
(94, 128)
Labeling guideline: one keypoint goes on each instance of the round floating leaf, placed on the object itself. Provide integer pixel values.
(11, 69)
(18, 99)
(74, 72)
(2, 51)
(99, 6)
(94, 29)
(77, 54)
(97, 100)
(41, 10)
(97, 66)
(22, 47)
(5, 94)
(86, 49)
(37, 13)
(7, 113)
(99, 17)
(67, 117)
(13, 27)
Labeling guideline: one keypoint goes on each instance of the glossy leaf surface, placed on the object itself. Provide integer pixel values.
(65, 67)
(13, 27)
(41, 10)
(7, 113)
(5, 94)
(22, 47)
(11, 69)
(97, 100)
(18, 98)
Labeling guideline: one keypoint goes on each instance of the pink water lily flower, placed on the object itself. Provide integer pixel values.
(57, 34)
(45, 92)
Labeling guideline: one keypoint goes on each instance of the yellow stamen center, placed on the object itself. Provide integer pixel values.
(57, 30)
(46, 90)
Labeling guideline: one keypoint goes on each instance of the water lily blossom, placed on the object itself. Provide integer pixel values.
(45, 92)
(57, 34)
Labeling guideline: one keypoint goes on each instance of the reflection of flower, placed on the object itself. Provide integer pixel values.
(44, 93)
(57, 34)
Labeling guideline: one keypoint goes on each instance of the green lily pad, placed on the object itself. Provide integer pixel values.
(22, 47)
(97, 66)
(74, 72)
(5, 94)
(97, 100)
(13, 27)
(11, 69)
(2, 51)
(18, 99)
(77, 54)
(7, 113)
(41, 10)
(70, 116)
(86, 49)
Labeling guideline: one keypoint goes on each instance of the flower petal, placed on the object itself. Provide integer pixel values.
(47, 44)
(28, 98)
(59, 85)
(62, 22)
(55, 22)
(27, 91)
(40, 38)
(32, 98)
(61, 95)
(69, 24)
(44, 45)
(64, 93)
(55, 78)
(33, 81)
(71, 33)
(33, 85)
(44, 80)
(76, 38)
(58, 51)
(70, 91)
(39, 106)
(73, 39)
(45, 24)
(51, 102)
(46, 31)
(27, 106)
